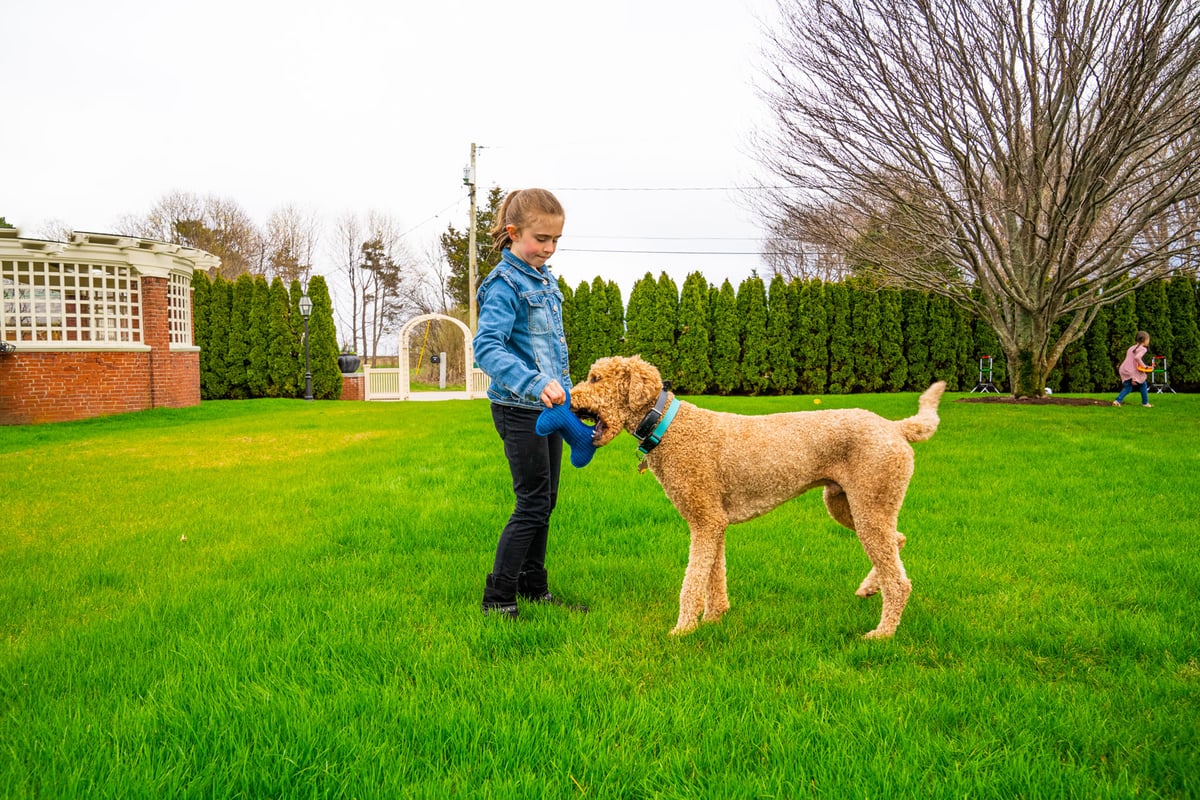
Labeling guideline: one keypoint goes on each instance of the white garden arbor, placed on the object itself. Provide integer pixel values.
(394, 384)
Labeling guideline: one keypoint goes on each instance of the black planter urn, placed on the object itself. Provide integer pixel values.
(348, 363)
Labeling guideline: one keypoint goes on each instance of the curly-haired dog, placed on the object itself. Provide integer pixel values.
(720, 468)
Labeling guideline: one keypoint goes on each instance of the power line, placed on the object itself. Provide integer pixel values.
(675, 252)
(668, 188)
(432, 218)
(730, 238)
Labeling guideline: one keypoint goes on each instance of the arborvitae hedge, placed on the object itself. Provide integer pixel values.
(806, 337)
(893, 365)
(726, 339)
(581, 351)
(664, 326)
(781, 357)
(693, 367)
(752, 309)
(867, 339)
(841, 345)
(1184, 360)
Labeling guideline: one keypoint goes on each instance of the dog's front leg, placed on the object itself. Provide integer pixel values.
(716, 601)
(707, 543)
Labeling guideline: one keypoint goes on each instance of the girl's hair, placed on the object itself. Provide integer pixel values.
(518, 209)
(1141, 337)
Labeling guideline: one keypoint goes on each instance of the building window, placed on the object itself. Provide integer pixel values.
(63, 302)
(179, 305)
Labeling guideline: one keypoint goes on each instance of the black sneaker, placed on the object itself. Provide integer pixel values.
(500, 610)
(550, 599)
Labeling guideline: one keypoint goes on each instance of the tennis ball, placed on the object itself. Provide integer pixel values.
(816, 401)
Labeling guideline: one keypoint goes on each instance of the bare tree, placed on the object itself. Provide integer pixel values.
(292, 236)
(213, 224)
(1032, 160)
(796, 252)
(348, 238)
(384, 282)
(56, 230)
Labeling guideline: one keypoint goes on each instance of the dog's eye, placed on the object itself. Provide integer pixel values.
(592, 379)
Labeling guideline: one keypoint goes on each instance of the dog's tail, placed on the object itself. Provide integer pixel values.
(920, 427)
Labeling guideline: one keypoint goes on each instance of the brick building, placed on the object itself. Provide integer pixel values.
(101, 324)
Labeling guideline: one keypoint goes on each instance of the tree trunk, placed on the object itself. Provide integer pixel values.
(1027, 373)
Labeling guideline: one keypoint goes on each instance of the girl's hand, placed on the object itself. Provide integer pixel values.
(553, 394)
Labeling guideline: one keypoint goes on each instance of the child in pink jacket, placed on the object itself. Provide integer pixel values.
(1133, 370)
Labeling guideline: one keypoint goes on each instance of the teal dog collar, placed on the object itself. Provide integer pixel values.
(651, 441)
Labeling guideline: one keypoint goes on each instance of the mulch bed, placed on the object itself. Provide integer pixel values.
(1052, 400)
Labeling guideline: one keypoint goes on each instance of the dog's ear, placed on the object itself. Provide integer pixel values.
(644, 382)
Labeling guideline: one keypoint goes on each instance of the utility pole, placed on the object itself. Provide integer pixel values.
(469, 180)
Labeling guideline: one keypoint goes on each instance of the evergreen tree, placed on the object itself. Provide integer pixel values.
(1184, 364)
(1100, 372)
(580, 348)
(693, 368)
(604, 326)
(638, 322)
(866, 337)
(1077, 371)
(891, 341)
(1154, 317)
(752, 309)
(202, 288)
(323, 347)
(614, 322)
(964, 344)
(569, 324)
(1124, 328)
(813, 316)
(258, 373)
(237, 354)
(664, 321)
(281, 346)
(916, 339)
(726, 340)
(941, 341)
(841, 342)
(220, 300)
(781, 360)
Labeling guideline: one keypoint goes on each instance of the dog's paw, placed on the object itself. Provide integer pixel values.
(682, 629)
(878, 634)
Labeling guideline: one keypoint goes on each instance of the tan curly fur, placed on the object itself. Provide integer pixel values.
(720, 469)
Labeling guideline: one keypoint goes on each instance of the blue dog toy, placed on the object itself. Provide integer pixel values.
(559, 419)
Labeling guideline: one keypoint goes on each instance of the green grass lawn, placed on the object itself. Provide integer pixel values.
(281, 599)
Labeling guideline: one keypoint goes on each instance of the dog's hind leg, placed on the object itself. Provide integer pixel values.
(881, 542)
(870, 584)
(838, 506)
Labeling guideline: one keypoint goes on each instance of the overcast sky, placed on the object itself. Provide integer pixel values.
(364, 105)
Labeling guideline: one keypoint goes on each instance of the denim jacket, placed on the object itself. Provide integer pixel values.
(519, 341)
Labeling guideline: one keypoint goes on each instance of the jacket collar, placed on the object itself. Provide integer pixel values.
(543, 274)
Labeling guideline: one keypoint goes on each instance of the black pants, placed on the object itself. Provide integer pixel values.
(520, 566)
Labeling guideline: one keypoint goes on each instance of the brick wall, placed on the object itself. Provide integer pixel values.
(56, 387)
(353, 386)
(47, 386)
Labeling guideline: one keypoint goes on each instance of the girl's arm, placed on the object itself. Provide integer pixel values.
(498, 313)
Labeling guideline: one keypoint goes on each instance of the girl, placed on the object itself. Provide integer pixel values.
(1133, 371)
(521, 345)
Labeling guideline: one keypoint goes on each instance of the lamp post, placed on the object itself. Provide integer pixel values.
(305, 311)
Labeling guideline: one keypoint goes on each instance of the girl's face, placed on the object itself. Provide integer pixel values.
(537, 241)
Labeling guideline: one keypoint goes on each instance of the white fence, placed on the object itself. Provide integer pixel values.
(392, 384)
